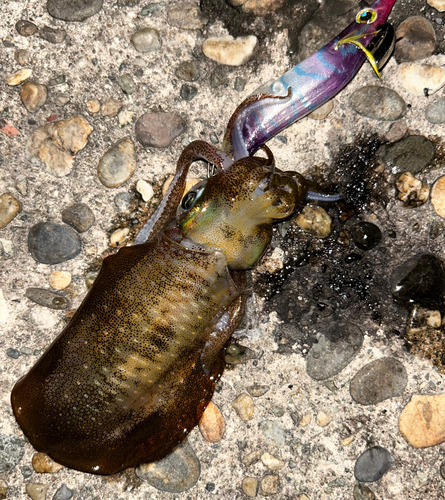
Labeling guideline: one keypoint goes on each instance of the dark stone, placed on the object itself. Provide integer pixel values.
(363, 492)
(47, 298)
(240, 84)
(217, 78)
(26, 28)
(188, 71)
(366, 235)
(73, 10)
(188, 92)
(420, 280)
(416, 39)
(411, 154)
(12, 450)
(13, 353)
(79, 216)
(177, 472)
(379, 380)
(52, 35)
(237, 354)
(63, 493)
(386, 103)
(372, 464)
(51, 243)
(159, 129)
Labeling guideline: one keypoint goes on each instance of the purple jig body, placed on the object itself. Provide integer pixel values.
(305, 87)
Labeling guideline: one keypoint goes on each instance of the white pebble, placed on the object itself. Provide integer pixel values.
(145, 189)
(228, 50)
(118, 236)
(416, 77)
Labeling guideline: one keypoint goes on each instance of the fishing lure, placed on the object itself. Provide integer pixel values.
(131, 374)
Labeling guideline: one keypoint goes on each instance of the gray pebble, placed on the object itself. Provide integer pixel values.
(372, 464)
(240, 84)
(159, 129)
(36, 491)
(379, 103)
(22, 57)
(186, 16)
(188, 92)
(46, 298)
(273, 432)
(118, 164)
(334, 351)
(416, 39)
(26, 351)
(363, 492)
(123, 202)
(217, 78)
(79, 216)
(237, 354)
(127, 84)
(57, 80)
(51, 243)
(52, 35)
(188, 71)
(12, 449)
(177, 472)
(63, 493)
(411, 154)
(146, 40)
(152, 8)
(257, 390)
(26, 28)
(381, 379)
(79, 10)
(435, 111)
(12, 353)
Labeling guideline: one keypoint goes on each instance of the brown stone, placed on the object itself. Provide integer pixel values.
(212, 424)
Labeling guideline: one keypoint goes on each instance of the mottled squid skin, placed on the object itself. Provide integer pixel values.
(132, 373)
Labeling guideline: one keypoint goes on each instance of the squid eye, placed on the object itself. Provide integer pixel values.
(191, 197)
(366, 16)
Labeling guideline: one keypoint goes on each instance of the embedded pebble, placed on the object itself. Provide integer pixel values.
(93, 106)
(386, 103)
(42, 463)
(270, 484)
(188, 92)
(33, 96)
(366, 235)
(416, 39)
(119, 236)
(416, 77)
(437, 4)
(250, 486)
(420, 280)
(126, 83)
(73, 11)
(14, 354)
(19, 77)
(59, 280)
(328, 357)
(186, 16)
(257, 390)
(271, 462)
(125, 117)
(412, 191)
(36, 491)
(363, 492)
(228, 50)
(435, 111)
(118, 164)
(411, 154)
(244, 407)
(188, 71)
(396, 131)
(9, 208)
(315, 220)
(421, 421)
(79, 216)
(110, 107)
(177, 472)
(438, 196)
(237, 354)
(372, 464)
(273, 432)
(123, 202)
(251, 458)
(54, 144)
(144, 189)
(211, 424)
(63, 493)
(22, 57)
(258, 7)
(25, 27)
(51, 243)
(52, 35)
(159, 129)
(12, 450)
(323, 111)
(378, 380)
(146, 40)
(46, 298)
(323, 419)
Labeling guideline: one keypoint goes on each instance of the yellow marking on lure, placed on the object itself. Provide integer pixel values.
(355, 40)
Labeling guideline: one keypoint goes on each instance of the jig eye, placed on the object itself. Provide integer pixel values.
(366, 16)
(192, 196)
